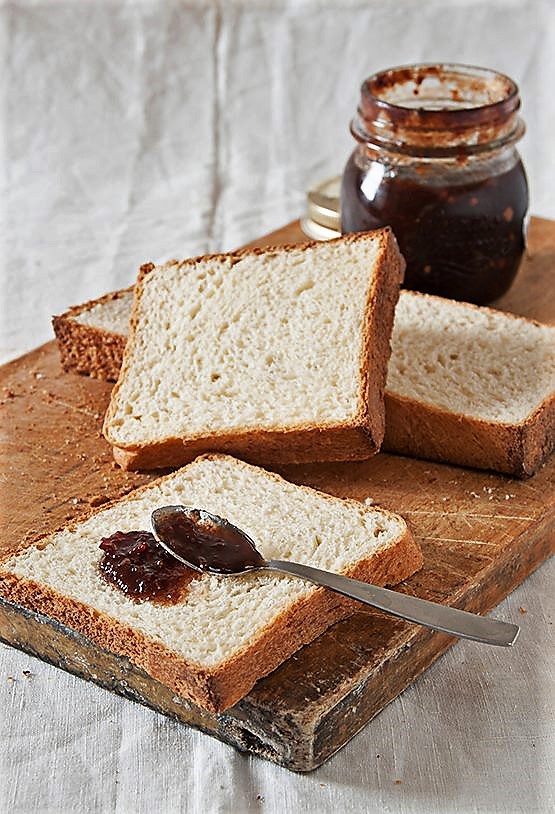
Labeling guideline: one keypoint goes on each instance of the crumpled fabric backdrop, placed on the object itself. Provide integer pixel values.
(132, 130)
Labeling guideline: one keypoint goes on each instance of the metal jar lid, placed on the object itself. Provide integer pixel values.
(322, 221)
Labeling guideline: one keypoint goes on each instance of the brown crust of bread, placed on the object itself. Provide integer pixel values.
(357, 439)
(263, 447)
(220, 688)
(88, 350)
(423, 431)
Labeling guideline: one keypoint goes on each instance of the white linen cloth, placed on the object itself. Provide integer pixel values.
(132, 130)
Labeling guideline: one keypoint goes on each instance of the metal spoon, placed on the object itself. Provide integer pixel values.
(206, 542)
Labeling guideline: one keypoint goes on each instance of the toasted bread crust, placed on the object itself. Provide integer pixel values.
(356, 440)
(221, 687)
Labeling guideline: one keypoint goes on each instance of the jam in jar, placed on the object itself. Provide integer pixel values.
(436, 160)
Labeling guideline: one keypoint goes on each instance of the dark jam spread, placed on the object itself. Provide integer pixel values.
(138, 566)
(207, 542)
(463, 241)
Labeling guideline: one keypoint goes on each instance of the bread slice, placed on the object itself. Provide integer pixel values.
(278, 355)
(466, 385)
(226, 632)
(470, 385)
(92, 337)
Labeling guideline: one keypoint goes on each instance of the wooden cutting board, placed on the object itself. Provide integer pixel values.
(481, 534)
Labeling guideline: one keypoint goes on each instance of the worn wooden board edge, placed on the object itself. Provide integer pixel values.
(65, 648)
(299, 743)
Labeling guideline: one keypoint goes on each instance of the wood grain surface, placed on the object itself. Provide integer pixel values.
(481, 533)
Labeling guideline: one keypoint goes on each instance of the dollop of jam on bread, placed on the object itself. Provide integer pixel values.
(135, 563)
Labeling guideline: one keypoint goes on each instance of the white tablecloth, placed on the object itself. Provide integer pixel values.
(132, 130)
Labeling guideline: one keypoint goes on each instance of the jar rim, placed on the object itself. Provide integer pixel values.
(438, 107)
(419, 72)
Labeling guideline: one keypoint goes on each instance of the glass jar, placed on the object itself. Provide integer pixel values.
(436, 160)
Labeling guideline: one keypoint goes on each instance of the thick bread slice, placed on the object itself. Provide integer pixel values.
(432, 403)
(278, 355)
(226, 632)
(470, 385)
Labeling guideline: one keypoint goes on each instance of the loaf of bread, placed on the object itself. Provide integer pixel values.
(278, 355)
(466, 385)
(226, 632)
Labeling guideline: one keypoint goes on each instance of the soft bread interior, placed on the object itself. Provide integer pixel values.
(471, 361)
(111, 315)
(270, 341)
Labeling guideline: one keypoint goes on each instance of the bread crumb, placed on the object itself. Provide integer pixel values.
(397, 782)
(369, 501)
(12, 679)
(522, 609)
(27, 673)
(98, 500)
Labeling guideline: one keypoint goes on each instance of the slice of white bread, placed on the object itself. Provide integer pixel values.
(470, 385)
(278, 355)
(226, 632)
(466, 385)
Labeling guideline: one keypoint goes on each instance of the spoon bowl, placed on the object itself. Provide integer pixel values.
(204, 541)
(209, 543)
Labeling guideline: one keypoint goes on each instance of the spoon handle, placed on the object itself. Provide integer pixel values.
(430, 614)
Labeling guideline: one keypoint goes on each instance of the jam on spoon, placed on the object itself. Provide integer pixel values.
(204, 541)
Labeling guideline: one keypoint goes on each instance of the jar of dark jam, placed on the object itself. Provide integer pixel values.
(436, 160)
